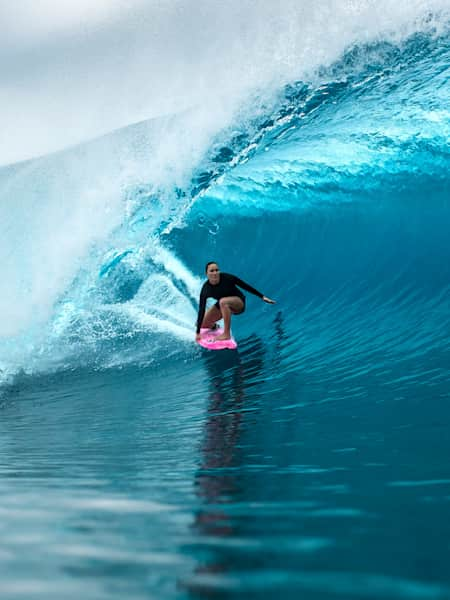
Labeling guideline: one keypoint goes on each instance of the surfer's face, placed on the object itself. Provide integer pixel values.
(213, 273)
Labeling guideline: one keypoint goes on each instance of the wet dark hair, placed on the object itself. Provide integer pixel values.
(211, 262)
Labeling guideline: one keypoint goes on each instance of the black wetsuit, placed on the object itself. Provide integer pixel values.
(226, 287)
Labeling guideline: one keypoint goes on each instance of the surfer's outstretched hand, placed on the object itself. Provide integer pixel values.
(268, 300)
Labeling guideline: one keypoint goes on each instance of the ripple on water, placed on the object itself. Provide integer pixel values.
(352, 584)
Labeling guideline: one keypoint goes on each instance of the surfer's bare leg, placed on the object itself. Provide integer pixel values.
(230, 305)
(212, 316)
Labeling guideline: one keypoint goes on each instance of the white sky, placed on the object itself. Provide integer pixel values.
(73, 69)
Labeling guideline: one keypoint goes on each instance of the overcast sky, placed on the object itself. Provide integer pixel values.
(73, 69)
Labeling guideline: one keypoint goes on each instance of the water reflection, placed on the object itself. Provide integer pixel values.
(218, 480)
(278, 339)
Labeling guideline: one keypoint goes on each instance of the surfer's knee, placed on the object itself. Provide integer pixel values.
(224, 303)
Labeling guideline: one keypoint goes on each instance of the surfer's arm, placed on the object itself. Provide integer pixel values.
(247, 287)
(252, 290)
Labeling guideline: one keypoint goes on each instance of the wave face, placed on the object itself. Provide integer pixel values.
(332, 197)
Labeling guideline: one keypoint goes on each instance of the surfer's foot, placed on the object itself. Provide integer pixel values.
(222, 337)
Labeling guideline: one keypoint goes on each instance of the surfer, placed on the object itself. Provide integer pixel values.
(230, 300)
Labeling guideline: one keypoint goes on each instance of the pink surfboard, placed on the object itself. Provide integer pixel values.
(207, 340)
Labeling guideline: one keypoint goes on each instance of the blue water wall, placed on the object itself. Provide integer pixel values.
(334, 201)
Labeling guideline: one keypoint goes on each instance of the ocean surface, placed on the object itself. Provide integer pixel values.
(314, 461)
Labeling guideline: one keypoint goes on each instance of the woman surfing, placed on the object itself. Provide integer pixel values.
(223, 287)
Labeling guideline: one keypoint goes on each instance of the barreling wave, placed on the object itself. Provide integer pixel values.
(331, 195)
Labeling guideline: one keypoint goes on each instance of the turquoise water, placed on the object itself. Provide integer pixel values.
(313, 462)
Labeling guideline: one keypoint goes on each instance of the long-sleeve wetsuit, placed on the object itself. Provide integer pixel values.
(226, 287)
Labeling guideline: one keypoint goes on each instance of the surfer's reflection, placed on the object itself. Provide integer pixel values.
(219, 481)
